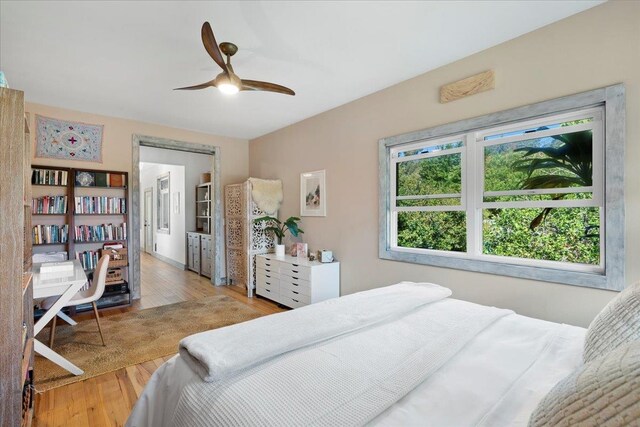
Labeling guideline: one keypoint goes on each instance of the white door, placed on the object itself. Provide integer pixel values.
(148, 220)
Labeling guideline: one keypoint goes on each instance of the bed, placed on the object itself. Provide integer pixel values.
(406, 354)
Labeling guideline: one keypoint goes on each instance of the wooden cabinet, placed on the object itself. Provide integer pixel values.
(205, 255)
(296, 282)
(16, 291)
(193, 252)
(199, 253)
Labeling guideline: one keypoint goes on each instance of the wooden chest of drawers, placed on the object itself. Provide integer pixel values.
(296, 282)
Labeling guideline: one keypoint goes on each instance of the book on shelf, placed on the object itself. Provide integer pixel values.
(112, 245)
(116, 180)
(100, 233)
(49, 177)
(101, 179)
(88, 259)
(49, 205)
(100, 205)
(43, 234)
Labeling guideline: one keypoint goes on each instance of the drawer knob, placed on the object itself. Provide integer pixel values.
(267, 283)
(267, 290)
(295, 271)
(268, 276)
(295, 284)
(295, 300)
(295, 292)
(268, 265)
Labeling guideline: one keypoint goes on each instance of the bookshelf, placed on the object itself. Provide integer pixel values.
(93, 206)
(203, 208)
(16, 304)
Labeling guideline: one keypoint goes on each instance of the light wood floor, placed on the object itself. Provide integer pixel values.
(106, 400)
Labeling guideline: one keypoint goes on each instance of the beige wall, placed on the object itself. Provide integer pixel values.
(116, 153)
(596, 48)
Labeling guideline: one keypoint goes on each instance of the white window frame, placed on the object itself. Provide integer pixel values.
(605, 105)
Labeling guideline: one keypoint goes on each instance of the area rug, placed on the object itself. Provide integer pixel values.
(133, 337)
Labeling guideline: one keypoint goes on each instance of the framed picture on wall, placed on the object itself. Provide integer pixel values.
(313, 194)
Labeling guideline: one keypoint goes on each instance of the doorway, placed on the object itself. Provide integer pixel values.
(148, 220)
(139, 239)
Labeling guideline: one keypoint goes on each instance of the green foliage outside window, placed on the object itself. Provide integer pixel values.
(559, 234)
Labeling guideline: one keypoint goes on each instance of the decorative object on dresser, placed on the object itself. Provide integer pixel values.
(313, 194)
(244, 238)
(278, 228)
(16, 303)
(296, 282)
(97, 215)
(63, 139)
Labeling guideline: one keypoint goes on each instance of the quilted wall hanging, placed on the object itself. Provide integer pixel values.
(62, 139)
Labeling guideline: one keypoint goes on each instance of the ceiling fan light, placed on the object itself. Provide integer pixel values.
(228, 88)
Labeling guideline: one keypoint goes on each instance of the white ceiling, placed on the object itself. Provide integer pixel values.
(123, 58)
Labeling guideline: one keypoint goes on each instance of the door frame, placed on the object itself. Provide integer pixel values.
(144, 205)
(171, 144)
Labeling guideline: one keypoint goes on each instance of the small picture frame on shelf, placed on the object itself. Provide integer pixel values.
(301, 250)
(85, 179)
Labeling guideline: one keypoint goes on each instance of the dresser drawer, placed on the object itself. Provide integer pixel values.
(267, 263)
(266, 289)
(295, 271)
(267, 278)
(300, 286)
(267, 275)
(268, 269)
(291, 302)
(295, 295)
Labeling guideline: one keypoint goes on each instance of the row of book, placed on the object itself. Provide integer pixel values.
(100, 205)
(100, 179)
(88, 259)
(50, 234)
(49, 205)
(99, 233)
(49, 177)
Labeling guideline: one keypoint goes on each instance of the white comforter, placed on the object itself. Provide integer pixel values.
(495, 377)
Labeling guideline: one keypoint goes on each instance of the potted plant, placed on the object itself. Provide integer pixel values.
(279, 228)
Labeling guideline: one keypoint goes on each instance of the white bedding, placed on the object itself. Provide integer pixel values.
(497, 378)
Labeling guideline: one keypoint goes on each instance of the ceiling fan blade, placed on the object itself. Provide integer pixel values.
(265, 86)
(200, 86)
(211, 46)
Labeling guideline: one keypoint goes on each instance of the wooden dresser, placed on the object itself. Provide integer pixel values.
(296, 282)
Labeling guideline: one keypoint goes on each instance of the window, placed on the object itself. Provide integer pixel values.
(524, 197)
(163, 204)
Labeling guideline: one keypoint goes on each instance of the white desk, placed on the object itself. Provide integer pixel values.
(65, 285)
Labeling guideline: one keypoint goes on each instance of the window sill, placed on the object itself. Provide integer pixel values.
(576, 278)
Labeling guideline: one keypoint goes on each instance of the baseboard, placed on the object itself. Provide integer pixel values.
(168, 260)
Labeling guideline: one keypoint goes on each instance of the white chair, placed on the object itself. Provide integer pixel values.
(90, 295)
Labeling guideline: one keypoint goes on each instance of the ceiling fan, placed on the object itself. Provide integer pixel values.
(227, 81)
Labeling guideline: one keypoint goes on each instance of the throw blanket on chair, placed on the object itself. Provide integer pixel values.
(267, 194)
(340, 362)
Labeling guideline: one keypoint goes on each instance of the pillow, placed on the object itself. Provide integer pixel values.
(604, 392)
(617, 324)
